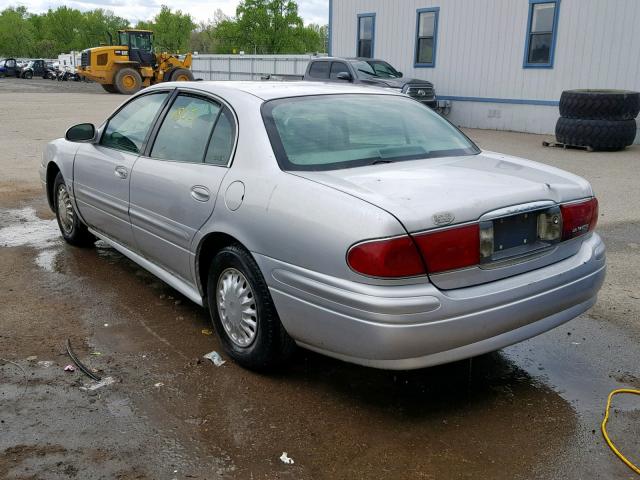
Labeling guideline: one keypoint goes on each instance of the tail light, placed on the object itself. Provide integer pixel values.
(392, 257)
(460, 247)
(579, 218)
(449, 249)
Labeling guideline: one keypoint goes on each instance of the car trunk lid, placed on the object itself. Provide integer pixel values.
(439, 192)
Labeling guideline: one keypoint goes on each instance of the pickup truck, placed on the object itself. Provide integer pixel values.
(35, 67)
(366, 71)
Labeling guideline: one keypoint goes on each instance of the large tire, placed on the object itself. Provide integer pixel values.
(181, 75)
(231, 298)
(127, 81)
(110, 88)
(596, 134)
(28, 75)
(600, 104)
(71, 227)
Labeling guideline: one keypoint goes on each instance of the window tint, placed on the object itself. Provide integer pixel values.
(222, 140)
(319, 70)
(128, 128)
(185, 130)
(426, 38)
(366, 32)
(540, 35)
(336, 68)
(341, 131)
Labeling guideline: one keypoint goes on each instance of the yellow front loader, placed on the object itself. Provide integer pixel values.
(127, 67)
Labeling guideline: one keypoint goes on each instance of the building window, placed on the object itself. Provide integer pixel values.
(366, 34)
(426, 37)
(542, 27)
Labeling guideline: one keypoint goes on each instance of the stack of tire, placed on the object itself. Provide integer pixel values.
(598, 119)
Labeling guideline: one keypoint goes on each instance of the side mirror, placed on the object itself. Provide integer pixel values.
(83, 132)
(400, 74)
(344, 76)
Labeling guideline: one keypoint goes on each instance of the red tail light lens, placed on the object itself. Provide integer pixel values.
(393, 257)
(579, 218)
(451, 248)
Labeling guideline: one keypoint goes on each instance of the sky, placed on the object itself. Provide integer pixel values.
(312, 11)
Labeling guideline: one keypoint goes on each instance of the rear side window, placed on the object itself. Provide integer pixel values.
(222, 140)
(128, 128)
(186, 129)
(319, 70)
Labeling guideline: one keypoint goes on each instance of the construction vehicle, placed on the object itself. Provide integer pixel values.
(132, 64)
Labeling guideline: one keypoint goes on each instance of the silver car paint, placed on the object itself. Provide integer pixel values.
(299, 226)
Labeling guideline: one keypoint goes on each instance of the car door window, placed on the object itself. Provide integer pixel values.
(336, 68)
(222, 140)
(11, 64)
(319, 70)
(128, 128)
(186, 129)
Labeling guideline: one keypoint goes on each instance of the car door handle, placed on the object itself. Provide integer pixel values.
(200, 193)
(121, 172)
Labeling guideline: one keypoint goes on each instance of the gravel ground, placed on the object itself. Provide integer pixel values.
(529, 411)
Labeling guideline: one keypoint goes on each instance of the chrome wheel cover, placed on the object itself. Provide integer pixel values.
(65, 210)
(237, 307)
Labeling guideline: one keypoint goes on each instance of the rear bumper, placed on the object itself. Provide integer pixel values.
(414, 326)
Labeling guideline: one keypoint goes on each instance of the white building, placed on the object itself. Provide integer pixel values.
(501, 63)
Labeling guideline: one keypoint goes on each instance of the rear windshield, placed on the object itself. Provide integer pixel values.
(329, 132)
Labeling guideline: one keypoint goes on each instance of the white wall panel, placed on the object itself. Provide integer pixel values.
(480, 52)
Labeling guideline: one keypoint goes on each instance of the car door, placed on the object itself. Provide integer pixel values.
(337, 68)
(11, 67)
(102, 170)
(175, 184)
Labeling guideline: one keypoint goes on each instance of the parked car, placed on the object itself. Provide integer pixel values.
(8, 67)
(367, 71)
(36, 68)
(352, 221)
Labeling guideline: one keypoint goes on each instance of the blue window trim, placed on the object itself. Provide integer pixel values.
(330, 29)
(554, 35)
(436, 10)
(373, 33)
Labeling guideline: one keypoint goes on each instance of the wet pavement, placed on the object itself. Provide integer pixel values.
(529, 411)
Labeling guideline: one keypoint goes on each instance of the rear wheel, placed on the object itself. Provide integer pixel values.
(110, 88)
(73, 230)
(181, 75)
(243, 313)
(128, 81)
(28, 75)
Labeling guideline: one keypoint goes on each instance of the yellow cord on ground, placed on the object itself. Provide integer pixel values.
(603, 427)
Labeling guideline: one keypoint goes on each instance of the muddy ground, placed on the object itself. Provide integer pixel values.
(530, 411)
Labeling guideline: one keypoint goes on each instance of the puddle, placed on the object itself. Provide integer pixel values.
(22, 228)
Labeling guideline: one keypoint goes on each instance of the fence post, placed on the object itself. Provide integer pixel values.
(229, 67)
(210, 68)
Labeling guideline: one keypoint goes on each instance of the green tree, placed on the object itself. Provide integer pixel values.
(17, 35)
(96, 24)
(62, 28)
(171, 30)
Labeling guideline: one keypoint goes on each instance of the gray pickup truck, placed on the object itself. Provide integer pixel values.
(367, 71)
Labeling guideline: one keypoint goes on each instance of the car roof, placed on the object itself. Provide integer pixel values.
(266, 90)
(349, 59)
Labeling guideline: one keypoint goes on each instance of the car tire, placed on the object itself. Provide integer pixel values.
(27, 75)
(600, 104)
(181, 75)
(109, 88)
(234, 279)
(71, 227)
(596, 134)
(128, 81)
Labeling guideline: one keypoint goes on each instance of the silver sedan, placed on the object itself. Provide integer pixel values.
(347, 220)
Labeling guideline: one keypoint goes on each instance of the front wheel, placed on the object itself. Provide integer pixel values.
(73, 230)
(243, 313)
